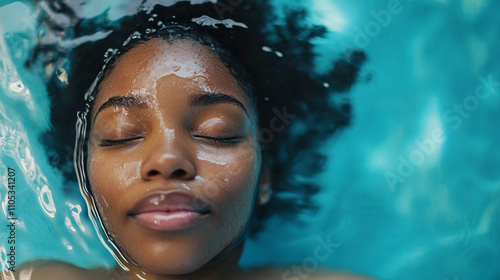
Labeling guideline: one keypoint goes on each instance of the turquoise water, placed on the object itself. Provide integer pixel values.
(412, 187)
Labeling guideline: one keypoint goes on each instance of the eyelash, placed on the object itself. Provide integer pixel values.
(228, 140)
(108, 143)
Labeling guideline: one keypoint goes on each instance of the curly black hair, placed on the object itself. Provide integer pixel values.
(275, 59)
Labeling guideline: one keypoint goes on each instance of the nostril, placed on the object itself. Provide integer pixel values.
(153, 173)
(176, 174)
(179, 173)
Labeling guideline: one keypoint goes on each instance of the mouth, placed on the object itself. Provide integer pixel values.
(169, 211)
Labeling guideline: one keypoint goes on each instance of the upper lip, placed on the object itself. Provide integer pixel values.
(170, 201)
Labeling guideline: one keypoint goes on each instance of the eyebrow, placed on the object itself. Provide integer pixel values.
(208, 99)
(126, 101)
(201, 99)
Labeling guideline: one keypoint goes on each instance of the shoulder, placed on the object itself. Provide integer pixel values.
(51, 269)
(291, 273)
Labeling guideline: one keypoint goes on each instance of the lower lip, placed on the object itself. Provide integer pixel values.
(169, 221)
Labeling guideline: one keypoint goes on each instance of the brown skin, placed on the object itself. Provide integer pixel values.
(169, 146)
(172, 149)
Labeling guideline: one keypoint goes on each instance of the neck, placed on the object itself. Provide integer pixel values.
(223, 266)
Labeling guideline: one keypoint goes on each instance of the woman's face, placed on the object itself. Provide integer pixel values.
(174, 160)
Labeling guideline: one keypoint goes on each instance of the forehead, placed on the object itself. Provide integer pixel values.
(169, 65)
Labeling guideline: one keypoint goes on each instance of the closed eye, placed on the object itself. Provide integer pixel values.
(228, 140)
(108, 143)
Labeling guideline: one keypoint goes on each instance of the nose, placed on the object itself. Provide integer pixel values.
(168, 160)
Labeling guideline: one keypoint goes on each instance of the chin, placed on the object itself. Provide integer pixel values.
(178, 268)
(170, 261)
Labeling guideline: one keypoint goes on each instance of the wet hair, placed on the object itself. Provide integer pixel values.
(172, 33)
(272, 58)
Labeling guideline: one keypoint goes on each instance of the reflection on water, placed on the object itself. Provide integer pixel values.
(411, 188)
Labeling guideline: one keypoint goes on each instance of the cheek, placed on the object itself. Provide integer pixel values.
(95, 172)
(108, 178)
(242, 174)
(231, 177)
(242, 177)
(229, 184)
(112, 173)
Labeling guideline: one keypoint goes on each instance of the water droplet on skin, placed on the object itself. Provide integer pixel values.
(279, 54)
(151, 19)
(154, 15)
(326, 85)
(160, 23)
(266, 99)
(148, 31)
(266, 49)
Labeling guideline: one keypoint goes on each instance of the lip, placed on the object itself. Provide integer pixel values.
(169, 211)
